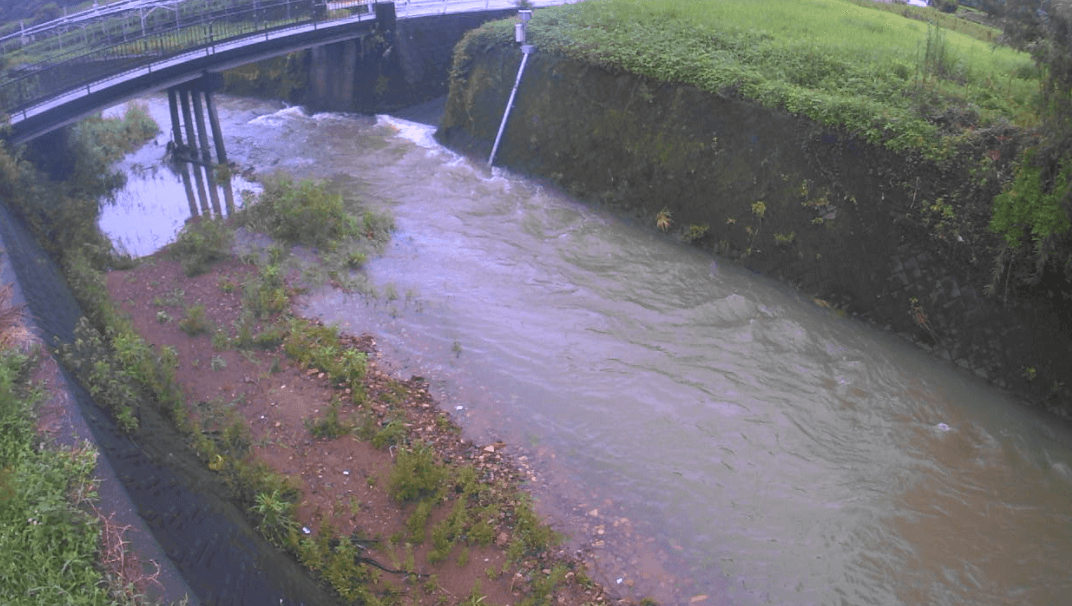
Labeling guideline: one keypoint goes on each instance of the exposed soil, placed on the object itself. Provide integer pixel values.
(343, 481)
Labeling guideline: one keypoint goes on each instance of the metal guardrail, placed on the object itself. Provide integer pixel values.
(131, 38)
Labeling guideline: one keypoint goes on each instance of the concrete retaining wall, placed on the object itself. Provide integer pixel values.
(890, 238)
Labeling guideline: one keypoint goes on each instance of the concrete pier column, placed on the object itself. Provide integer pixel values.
(178, 146)
(221, 152)
(206, 155)
(184, 97)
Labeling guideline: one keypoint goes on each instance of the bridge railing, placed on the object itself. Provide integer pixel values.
(108, 47)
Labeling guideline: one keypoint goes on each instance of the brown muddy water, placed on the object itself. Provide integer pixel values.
(702, 433)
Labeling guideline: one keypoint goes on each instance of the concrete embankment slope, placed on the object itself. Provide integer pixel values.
(855, 225)
(152, 481)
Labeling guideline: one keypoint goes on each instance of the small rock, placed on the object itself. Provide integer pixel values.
(594, 513)
(697, 598)
(489, 448)
(502, 540)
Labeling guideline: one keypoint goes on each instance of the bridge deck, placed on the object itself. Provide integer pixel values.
(157, 72)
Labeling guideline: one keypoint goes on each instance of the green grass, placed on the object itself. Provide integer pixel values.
(48, 542)
(837, 62)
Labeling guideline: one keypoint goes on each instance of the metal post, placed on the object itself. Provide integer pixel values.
(184, 96)
(206, 156)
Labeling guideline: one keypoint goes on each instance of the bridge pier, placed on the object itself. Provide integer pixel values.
(190, 152)
(177, 145)
(195, 149)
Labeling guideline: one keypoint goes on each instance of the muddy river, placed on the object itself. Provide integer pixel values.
(700, 432)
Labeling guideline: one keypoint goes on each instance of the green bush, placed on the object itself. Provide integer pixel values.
(99, 142)
(196, 321)
(112, 385)
(267, 295)
(300, 213)
(1029, 209)
(202, 243)
(329, 426)
(416, 474)
(273, 513)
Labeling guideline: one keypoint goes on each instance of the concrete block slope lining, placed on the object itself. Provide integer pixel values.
(211, 550)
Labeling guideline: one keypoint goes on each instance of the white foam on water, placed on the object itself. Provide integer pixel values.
(420, 134)
(423, 136)
(279, 117)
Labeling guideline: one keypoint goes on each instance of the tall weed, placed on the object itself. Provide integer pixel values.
(304, 213)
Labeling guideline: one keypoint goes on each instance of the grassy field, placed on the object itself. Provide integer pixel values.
(901, 82)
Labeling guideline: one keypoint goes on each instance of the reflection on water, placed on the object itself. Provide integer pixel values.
(155, 203)
(699, 430)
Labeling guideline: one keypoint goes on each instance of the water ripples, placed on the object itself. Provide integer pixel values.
(782, 453)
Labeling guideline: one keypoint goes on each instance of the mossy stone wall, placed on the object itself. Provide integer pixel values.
(891, 238)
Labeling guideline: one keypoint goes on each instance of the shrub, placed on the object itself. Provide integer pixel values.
(1030, 209)
(196, 321)
(416, 474)
(111, 384)
(202, 243)
(267, 294)
(274, 516)
(299, 213)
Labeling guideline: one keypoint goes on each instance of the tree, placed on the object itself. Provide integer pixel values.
(1033, 214)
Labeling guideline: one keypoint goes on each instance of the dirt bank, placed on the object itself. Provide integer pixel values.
(344, 481)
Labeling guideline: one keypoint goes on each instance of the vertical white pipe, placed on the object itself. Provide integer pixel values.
(509, 104)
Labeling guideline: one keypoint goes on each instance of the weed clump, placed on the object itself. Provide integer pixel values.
(273, 513)
(108, 379)
(202, 243)
(329, 426)
(416, 474)
(196, 321)
(300, 213)
(316, 346)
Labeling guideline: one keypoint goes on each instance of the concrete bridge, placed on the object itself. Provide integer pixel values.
(105, 67)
